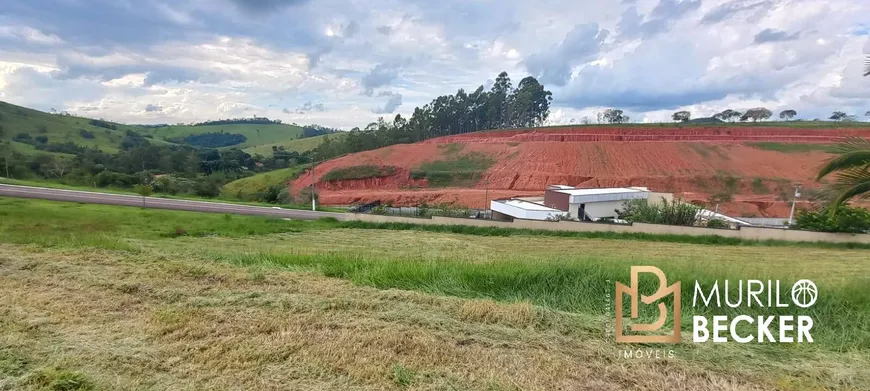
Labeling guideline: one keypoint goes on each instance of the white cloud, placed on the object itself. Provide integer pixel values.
(194, 60)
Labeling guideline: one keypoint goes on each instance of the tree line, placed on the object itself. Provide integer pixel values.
(500, 107)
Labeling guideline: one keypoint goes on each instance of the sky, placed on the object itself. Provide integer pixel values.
(344, 63)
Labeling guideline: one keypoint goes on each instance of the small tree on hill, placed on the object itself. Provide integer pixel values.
(728, 115)
(756, 114)
(615, 116)
(681, 116)
(787, 114)
(838, 116)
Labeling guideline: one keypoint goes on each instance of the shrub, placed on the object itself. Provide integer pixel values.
(206, 187)
(560, 217)
(461, 171)
(358, 172)
(304, 196)
(85, 134)
(102, 124)
(847, 219)
(23, 138)
(758, 186)
(42, 129)
(143, 190)
(676, 212)
(41, 139)
(717, 223)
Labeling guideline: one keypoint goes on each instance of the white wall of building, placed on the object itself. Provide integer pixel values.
(598, 210)
(524, 210)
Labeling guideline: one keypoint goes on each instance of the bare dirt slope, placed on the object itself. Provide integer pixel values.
(755, 167)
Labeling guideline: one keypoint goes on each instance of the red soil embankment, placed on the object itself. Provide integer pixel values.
(693, 162)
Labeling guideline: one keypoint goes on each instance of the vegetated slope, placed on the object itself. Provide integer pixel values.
(246, 188)
(297, 145)
(749, 171)
(59, 129)
(256, 134)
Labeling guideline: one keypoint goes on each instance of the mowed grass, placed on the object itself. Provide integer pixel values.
(256, 134)
(241, 299)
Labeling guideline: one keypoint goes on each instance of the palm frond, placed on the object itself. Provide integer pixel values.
(854, 152)
(849, 184)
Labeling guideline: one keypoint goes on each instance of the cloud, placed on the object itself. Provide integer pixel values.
(579, 46)
(773, 35)
(200, 60)
(153, 108)
(737, 8)
(666, 12)
(379, 76)
(266, 5)
(308, 107)
(394, 100)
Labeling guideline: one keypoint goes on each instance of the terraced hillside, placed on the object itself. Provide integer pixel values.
(749, 170)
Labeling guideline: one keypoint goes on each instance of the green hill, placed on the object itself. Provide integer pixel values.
(20, 124)
(247, 188)
(21, 127)
(256, 134)
(298, 145)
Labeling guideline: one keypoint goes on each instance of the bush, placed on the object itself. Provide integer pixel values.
(717, 223)
(23, 138)
(304, 196)
(111, 178)
(102, 124)
(207, 187)
(358, 172)
(847, 219)
(85, 134)
(41, 139)
(669, 213)
(143, 190)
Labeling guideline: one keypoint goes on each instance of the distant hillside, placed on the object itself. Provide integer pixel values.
(30, 131)
(298, 145)
(255, 134)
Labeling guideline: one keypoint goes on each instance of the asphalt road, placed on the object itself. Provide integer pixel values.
(159, 203)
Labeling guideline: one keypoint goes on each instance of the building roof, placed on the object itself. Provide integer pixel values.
(583, 196)
(601, 191)
(528, 205)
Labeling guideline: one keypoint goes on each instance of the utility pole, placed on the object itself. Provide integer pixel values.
(797, 194)
(486, 201)
(313, 202)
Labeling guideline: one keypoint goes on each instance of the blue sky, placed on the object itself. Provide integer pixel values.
(343, 63)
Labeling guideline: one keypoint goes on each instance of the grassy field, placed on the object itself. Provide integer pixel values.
(58, 129)
(246, 188)
(256, 134)
(61, 129)
(100, 297)
(299, 145)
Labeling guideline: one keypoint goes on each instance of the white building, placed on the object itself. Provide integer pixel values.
(592, 204)
(581, 204)
(522, 209)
